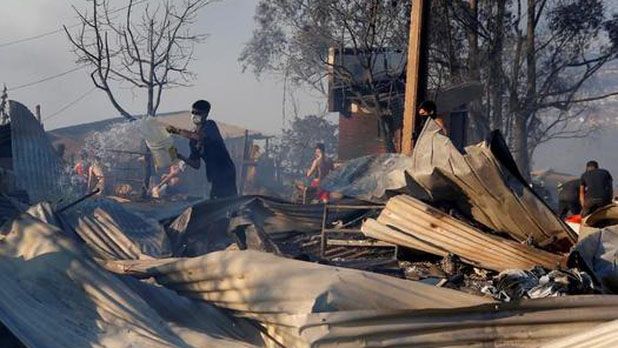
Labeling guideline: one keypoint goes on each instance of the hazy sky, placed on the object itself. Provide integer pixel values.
(236, 97)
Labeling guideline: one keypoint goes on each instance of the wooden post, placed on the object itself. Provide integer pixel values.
(37, 113)
(243, 166)
(416, 74)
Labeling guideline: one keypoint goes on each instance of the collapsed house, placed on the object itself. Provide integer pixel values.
(420, 252)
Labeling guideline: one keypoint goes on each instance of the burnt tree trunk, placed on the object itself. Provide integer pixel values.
(478, 124)
(522, 118)
(496, 89)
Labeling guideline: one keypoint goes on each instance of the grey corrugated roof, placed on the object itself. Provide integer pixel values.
(8, 208)
(35, 162)
(110, 230)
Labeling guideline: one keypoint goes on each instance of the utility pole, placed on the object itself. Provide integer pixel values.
(416, 73)
(4, 106)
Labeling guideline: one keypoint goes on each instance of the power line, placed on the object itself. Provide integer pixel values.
(35, 37)
(53, 32)
(64, 108)
(45, 79)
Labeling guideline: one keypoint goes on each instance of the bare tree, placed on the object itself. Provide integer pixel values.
(538, 60)
(299, 38)
(150, 51)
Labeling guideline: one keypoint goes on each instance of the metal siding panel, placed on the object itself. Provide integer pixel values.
(37, 167)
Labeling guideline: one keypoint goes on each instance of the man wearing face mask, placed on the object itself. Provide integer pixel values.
(428, 109)
(207, 144)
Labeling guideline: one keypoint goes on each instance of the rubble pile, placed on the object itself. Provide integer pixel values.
(449, 250)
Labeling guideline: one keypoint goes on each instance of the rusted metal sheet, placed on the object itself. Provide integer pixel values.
(496, 193)
(409, 222)
(36, 164)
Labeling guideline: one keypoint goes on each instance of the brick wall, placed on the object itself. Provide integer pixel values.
(359, 135)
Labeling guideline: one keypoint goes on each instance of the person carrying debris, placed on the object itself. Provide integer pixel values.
(596, 188)
(428, 109)
(320, 168)
(207, 144)
(171, 181)
(568, 198)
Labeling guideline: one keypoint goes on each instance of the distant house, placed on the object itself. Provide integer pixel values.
(238, 141)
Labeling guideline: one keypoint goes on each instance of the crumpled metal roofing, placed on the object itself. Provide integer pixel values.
(308, 305)
(269, 289)
(205, 226)
(487, 177)
(528, 324)
(112, 231)
(54, 295)
(602, 336)
(369, 177)
(254, 282)
(409, 222)
(9, 208)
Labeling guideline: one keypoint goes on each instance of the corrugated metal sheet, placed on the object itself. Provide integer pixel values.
(602, 336)
(528, 324)
(35, 162)
(53, 295)
(309, 305)
(486, 174)
(270, 289)
(411, 223)
(111, 231)
(9, 208)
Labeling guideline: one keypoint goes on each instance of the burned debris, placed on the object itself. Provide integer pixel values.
(177, 230)
(410, 252)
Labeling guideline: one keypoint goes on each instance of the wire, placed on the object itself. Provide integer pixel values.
(49, 33)
(45, 79)
(35, 37)
(64, 108)
(49, 78)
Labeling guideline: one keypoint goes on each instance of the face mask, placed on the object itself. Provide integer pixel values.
(196, 119)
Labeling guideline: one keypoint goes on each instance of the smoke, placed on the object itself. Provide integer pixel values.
(121, 142)
(118, 148)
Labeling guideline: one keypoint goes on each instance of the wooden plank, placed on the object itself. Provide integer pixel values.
(359, 243)
(343, 230)
(408, 222)
(413, 74)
